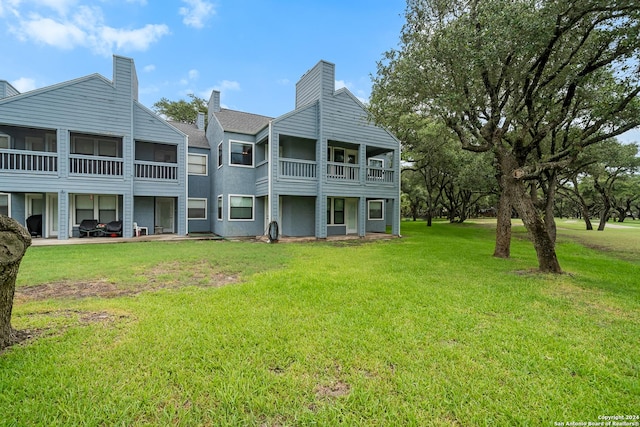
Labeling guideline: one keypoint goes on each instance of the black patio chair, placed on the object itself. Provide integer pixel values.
(34, 225)
(113, 229)
(89, 227)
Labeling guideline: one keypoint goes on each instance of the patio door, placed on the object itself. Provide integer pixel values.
(165, 214)
(52, 215)
(351, 214)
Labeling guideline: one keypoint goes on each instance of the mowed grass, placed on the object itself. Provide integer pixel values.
(424, 330)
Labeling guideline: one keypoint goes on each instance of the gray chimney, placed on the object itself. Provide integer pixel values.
(200, 120)
(214, 102)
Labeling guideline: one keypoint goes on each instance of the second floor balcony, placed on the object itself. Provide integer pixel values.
(337, 172)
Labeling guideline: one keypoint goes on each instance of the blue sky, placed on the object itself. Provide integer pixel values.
(253, 51)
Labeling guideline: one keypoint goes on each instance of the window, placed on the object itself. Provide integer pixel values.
(376, 210)
(220, 154)
(84, 208)
(4, 141)
(241, 208)
(219, 208)
(335, 211)
(103, 208)
(96, 146)
(198, 164)
(106, 209)
(5, 204)
(197, 209)
(240, 153)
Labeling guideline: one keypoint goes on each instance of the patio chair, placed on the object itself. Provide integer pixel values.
(113, 229)
(89, 227)
(34, 225)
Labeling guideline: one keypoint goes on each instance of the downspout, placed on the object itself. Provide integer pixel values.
(186, 185)
(269, 172)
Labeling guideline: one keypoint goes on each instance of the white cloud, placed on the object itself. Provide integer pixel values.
(24, 84)
(149, 68)
(60, 6)
(341, 83)
(193, 74)
(48, 31)
(196, 12)
(283, 82)
(227, 85)
(86, 27)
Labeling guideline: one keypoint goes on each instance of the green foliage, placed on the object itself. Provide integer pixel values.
(423, 330)
(181, 111)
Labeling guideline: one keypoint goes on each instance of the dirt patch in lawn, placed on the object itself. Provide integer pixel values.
(162, 278)
(106, 289)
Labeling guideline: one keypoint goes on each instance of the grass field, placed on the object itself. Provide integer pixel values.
(424, 330)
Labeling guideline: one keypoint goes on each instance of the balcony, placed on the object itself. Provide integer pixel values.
(156, 170)
(380, 175)
(28, 161)
(343, 172)
(95, 165)
(298, 169)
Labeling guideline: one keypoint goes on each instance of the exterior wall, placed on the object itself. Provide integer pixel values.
(200, 188)
(298, 216)
(96, 106)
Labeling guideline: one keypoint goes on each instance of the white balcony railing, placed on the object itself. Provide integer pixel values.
(95, 165)
(379, 175)
(293, 168)
(28, 161)
(156, 170)
(343, 171)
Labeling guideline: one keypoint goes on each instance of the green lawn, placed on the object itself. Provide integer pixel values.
(424, 330)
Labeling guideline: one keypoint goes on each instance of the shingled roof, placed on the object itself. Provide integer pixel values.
(239, 122)
(197, 137)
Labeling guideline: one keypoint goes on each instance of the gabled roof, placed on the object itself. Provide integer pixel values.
(197, 137)
(239, 122)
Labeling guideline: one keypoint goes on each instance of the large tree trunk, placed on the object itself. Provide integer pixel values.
(14, 241)
(532, 220)
(503, 225)
(542, 242)
(550, 201)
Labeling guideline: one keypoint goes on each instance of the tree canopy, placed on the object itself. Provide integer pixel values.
(534, 82)
(181, 111)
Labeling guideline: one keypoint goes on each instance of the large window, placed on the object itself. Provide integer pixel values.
(241, 208)
(197, 209)
(220, 208)
(96, 145)
(240, 153)
(376, 210)
(198, 164)
(335, 211)
(104, 208)
(4, 204)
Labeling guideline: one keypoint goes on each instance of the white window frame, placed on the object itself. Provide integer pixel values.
(220, 162)
(381, 201)
(253, 207)
(205, 164)
(206, 211)
(253, 153)
(8, 203)
(220, 208)
(331, 202)
(374, 159)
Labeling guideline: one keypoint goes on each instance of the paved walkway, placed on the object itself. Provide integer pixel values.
(175, 237)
